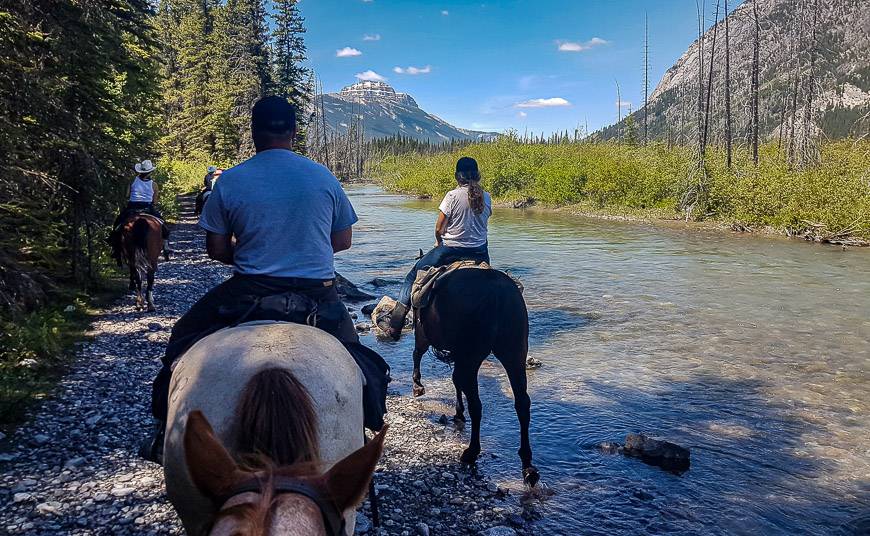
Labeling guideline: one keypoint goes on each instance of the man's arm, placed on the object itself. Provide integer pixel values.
(219, 247)
(440, 228)
(156, 195)
(341, 240)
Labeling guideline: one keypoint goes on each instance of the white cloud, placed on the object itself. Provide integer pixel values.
(347, 52)
(413, 70)
(445, 12)
(371, 76)
(522, 115)
(623, 104)
(372, 37)
(543, 103)
(572, 46)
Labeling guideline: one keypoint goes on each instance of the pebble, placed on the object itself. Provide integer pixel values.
(74, 462)
(500, 530)
(49, 508)
(85, 477)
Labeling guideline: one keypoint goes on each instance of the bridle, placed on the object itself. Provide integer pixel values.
(333, 520)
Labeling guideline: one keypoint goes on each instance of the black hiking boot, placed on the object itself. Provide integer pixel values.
(397, 321)
(152, 448)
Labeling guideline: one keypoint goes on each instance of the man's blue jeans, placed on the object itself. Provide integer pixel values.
(440, 256)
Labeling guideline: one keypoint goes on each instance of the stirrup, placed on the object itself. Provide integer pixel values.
(151, 448)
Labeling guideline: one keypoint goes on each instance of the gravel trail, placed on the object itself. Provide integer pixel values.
(72, 468)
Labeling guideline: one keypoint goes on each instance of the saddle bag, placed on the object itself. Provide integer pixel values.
(284, 307)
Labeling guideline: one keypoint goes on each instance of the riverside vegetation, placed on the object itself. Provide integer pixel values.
(827, 201)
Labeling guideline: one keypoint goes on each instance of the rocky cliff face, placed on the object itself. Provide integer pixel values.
(818, 45)
(383, 112)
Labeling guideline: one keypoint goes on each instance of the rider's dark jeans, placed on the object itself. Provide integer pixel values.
(440, 256)
(203, 318)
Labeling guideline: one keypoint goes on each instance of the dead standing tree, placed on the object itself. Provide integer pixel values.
(645, 78)
(809, 151)
(727, 91)
(756, 46)
(695, 192)
(708, 106)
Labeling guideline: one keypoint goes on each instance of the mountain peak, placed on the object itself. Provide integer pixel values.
(374, 90)
(381, 111)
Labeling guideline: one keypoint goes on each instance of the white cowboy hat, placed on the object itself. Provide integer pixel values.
(212, 169)
(144, 167)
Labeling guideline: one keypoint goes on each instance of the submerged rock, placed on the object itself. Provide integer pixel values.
(368, 309)
(656, 452)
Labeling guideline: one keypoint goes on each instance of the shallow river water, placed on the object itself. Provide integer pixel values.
(753, 352)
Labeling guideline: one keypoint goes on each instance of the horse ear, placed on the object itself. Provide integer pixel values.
(211, 467)
(348, 480)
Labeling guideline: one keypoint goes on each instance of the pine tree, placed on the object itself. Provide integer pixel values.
(242, 74)
(292, 80)
(186, 32)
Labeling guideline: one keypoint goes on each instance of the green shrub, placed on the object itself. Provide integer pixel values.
(834, 193)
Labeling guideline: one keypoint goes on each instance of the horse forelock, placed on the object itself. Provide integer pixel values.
(276, 421)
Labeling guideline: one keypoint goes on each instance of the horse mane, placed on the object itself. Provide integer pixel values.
(276, 423)
(276, 427)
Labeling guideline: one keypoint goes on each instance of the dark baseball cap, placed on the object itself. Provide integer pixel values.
(273, 114)
(467, 166)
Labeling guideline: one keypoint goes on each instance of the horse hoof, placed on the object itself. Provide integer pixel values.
(419, 390)
(469, 457)
(152, 309)
(458, 419)
(531, 476)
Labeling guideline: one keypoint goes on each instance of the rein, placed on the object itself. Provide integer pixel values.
(332, 518)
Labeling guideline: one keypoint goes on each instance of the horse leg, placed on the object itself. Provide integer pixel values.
(149, 296)
(460, 406)
(132, 286)
(466, 374)
(515, 366)
(420, 347)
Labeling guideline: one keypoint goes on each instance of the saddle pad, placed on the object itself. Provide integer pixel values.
(427, 280)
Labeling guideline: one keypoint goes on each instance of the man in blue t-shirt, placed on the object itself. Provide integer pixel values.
(278, 218)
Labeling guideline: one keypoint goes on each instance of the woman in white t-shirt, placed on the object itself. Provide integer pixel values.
(460, 234)
(142, 195)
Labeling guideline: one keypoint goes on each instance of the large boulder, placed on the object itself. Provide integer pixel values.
(347, 291)
(382, 313)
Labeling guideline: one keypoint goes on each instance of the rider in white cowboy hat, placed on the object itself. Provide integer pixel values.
(142, 196)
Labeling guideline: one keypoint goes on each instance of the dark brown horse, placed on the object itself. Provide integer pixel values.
(141, 244)
(474, 313)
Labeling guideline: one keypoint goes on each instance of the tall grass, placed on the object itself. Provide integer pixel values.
(607, 176)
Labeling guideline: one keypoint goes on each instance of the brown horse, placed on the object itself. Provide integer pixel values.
(474, 313)
(141, 244)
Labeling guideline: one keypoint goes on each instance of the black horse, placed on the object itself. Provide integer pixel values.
(474, 313)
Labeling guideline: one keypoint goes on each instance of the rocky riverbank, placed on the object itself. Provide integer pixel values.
(72, 468)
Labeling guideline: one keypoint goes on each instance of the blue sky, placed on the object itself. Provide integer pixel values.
(537, 65)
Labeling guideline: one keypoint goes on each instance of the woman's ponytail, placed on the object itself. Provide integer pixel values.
(467, 174)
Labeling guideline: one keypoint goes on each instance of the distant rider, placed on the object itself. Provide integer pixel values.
(142, 196)
(278, 218)
(460, 234)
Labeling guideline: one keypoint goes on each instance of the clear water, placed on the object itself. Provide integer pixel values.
(753, 352)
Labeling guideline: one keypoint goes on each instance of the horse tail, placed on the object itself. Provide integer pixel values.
(276, 419)
(140, 231)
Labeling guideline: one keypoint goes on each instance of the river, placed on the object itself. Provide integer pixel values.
(754, 352)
